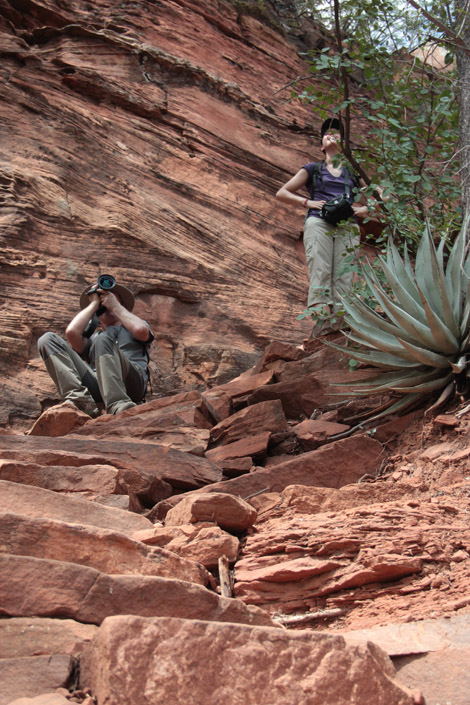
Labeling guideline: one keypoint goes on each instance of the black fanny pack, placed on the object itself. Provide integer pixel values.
(336, 210)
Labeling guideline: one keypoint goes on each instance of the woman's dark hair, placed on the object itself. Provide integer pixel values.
(332, 124)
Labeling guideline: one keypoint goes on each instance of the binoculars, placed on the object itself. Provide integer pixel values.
(106, 282)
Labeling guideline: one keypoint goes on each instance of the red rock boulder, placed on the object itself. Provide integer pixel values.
(227, 511)
(146, 661)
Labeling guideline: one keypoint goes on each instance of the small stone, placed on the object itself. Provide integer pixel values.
(59, 420)
(446, 420)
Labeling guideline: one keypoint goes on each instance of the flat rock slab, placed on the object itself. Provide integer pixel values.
(243, 385)
(253, 420)
(186, 439)
(227, 511)
(144, 420)
(183, 425)
(31, 676)
(92, 478)
(442, 676)
(46, 699)
(47, 588)
(107, 551)
(416, 637)
(98, 480)
(234, 467)
(30, 636)
(334, 465)
(312, 434)
(34, 502)
(179, 469)
(147, 661)
(279, 352)
(249, 446)
(431, 654)
(298, 397)
(337, 464)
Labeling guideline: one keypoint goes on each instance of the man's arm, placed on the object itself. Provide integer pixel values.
(77, 325)
(135, 325)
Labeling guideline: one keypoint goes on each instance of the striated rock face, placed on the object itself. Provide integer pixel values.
(314, 562)
(148, 141)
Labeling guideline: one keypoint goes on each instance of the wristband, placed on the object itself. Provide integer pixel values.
(305, 203)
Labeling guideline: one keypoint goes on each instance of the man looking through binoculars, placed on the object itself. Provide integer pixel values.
(108, 366)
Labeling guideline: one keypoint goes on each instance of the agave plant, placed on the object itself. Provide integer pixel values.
(421, 339)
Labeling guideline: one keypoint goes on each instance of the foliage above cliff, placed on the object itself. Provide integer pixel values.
(386, 68)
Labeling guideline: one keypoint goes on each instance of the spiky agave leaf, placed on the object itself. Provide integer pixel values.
(428, 274)
(437, 338)
(421, 342)
(454, 277)
(403, 288)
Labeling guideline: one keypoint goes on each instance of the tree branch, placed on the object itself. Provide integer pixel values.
(458, 41)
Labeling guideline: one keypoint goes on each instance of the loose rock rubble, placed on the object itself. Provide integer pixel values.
(341, 538)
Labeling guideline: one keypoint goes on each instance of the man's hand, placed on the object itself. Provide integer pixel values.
(94, 298)
(115, 310)
(108, 300)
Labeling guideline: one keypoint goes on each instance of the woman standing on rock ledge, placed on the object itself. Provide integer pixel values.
(326, 241)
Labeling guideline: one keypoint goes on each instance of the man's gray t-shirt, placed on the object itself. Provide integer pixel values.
(133, 349)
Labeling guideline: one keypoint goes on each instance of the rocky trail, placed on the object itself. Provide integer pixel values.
(232, 540)
(226, 536)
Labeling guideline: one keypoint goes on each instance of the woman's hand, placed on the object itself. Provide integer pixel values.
(317, 205)
(361, 211)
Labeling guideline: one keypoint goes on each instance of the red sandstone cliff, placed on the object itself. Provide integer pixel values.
(148, 140)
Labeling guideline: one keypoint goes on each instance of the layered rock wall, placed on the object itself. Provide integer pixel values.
(148, 140)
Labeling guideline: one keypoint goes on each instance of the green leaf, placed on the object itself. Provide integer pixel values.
(362, 318)
(410, 302)
(454, 270)
(424, 356)
(420, 333)
(444, 337)
(383, 360)
(430, 386)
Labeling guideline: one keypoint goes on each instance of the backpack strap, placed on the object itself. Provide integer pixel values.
(351, 178)
(316, 174)
(348, 179)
